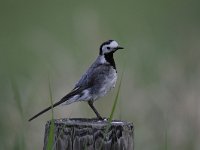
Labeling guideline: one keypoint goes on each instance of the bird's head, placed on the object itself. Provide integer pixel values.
(109, 46)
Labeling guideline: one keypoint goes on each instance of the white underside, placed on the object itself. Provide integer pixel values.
(109, 83)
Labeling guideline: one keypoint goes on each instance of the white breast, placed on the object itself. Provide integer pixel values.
(109, 83)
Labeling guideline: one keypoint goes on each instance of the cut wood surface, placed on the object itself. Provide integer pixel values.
(89, 134)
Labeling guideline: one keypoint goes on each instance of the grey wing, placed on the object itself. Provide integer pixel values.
(84, 80)
(90, 75)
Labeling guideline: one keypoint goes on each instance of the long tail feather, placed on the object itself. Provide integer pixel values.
(48, 108)
(64, 99)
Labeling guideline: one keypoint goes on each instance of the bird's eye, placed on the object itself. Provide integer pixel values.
(108, 47)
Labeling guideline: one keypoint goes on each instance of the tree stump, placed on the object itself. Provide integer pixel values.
(90, 134)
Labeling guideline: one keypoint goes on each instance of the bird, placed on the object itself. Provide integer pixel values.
(96, 82)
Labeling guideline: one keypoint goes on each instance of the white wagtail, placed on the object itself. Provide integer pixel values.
(96, 82)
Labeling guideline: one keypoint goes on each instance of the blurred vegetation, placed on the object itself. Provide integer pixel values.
(60, 39)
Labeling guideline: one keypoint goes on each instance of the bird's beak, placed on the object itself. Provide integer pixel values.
(119, 47)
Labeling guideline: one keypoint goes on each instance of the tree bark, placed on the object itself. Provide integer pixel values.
(89, 134)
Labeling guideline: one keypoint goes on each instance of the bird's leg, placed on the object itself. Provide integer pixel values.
(94, 109)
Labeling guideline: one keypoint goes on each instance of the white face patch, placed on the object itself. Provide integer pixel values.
(109, 47)
(113, 44)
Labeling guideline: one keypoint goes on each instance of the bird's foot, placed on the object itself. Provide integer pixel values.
(102, 118)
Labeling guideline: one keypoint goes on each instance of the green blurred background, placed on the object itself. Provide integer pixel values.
(160, 90)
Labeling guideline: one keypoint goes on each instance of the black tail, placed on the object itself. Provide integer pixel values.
(48, 108)
(64, 99)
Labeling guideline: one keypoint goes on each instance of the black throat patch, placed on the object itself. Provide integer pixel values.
(109, 58)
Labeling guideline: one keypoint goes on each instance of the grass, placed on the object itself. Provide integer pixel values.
(116, 100)
(51, 131)
(51, 142)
